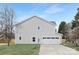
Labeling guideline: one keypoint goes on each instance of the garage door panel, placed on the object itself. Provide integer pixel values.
(49, 41)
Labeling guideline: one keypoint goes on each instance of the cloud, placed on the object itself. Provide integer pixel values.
(54, 9)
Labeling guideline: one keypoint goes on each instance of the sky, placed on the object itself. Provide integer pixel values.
(56, 12)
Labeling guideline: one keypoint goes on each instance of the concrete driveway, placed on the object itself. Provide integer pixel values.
(57, 50)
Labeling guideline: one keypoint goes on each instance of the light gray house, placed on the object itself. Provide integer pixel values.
(36, 30)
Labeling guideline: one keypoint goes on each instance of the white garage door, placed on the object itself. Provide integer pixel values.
(49, 41)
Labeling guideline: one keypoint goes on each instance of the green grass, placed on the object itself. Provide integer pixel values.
(20, 49)
(71, 45)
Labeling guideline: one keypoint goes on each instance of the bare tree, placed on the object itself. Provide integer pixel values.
(1, 25)
(67, 31)
(76, 35)
(8, 16)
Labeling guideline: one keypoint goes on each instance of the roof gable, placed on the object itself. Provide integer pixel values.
(50, 22)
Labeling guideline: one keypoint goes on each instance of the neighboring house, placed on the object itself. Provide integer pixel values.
(36, 30)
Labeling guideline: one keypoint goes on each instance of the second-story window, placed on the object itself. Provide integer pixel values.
(38, 27)
(55, 30)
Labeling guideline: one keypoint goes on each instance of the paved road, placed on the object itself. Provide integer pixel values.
(57, 50)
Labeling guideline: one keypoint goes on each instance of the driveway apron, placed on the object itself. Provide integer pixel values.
(57, 50)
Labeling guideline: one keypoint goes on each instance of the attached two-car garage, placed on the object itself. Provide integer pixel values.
(52, 40)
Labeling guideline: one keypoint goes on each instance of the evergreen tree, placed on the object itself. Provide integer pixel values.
(77, 15)
(75, 23)
(62, 28)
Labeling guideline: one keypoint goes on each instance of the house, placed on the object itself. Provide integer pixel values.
(36, 30)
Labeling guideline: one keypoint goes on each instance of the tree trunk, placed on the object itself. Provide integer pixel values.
(76, 43)
(9, 38)
(8, 42)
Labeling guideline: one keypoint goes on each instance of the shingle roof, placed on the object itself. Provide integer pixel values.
(50, 22)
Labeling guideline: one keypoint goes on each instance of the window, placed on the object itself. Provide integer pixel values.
(20, 38)
(50, 37)
(55, 30)
(38, 27)
(53, 37)
(44, 37)
(33, 39)
(57, 37)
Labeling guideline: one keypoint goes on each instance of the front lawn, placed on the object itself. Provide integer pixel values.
(20, 49)
(68, 44)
